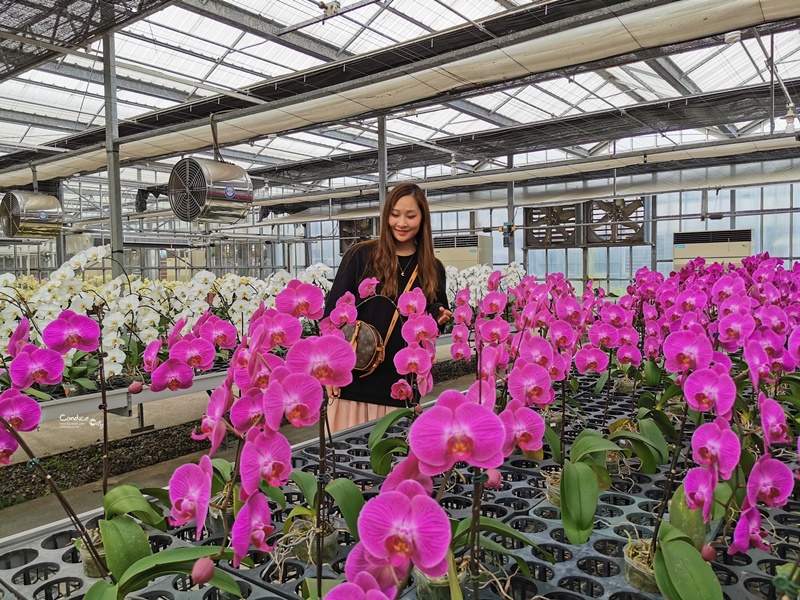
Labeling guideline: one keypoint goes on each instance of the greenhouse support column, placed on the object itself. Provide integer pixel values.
(112, 154)
(653, 233)
(383, 163)
(61, 240)
(512, 251)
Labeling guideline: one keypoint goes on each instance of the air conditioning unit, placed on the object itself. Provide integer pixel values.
(30, 215)
(727, 246)
(209, 190)
(462, 251)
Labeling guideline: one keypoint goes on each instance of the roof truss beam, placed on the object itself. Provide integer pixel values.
(260, 26)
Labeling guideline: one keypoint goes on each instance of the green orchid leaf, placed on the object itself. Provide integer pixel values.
(159, 494)
(692, 577)
(458, 530)
(588, 442)
(645, 455)
(652, 373)
(37, 394)
(274, 493)
(222, 467)
(670, 533)
(309, 587)
(307, 484)
(601, 383)
(652, 433)
(647, 400)
(101, 590)
(687, 520)
(382, 452)
(452, 577)
(495, 526)
(672, 391)
(383, 424)
(297, 511)
(600, 473)
(349, 500)
(635, 436)
(722, 494)
(664, 424)
(552, 440)
(86, 384)
(177, 561)
(663, 578)
(574, 384)
(128, 499)
(579, 495)
(125, 543)
(493, 546)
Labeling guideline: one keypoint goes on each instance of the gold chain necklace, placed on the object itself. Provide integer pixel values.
(408, 264)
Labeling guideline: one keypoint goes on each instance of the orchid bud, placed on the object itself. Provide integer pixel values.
(203, 570)
(495, 481)
(418, 409)
(135, 387)
(708, 553)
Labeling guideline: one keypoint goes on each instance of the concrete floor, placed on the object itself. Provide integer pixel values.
(54, 437)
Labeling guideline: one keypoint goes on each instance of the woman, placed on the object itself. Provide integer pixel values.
(404, 242)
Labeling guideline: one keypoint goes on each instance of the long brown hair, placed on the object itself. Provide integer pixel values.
(384, 249)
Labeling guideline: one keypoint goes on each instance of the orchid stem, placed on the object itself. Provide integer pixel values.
(474, 527)
(85, 537)
(563, 421)
(442, 487)
(670, 481)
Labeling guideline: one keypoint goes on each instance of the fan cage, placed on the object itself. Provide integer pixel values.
(200, 189)
(30, 215)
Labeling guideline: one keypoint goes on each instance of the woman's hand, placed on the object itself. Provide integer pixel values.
(444, 315)
(332, 391)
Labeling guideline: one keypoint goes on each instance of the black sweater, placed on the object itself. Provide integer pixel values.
(378, 311)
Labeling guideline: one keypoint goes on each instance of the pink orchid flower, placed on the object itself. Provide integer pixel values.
(462, 297)
(401, 390)
(461, 351)
(495, 331)
(524, 428)
(424, 383)
(212, 427)
(197, 353)
(715, 445)
(456, 430)
(569, 309)
(562, 335)
(460, 333)
(463, 315)
(412, 302)
(71, 330)
(419, 328)
(706, 389)
(36, 365)
(367, 287)
(253, 526)
(328, 358)
(219, 332)
(190, 494)
(362, 587)
(176, 334)
(725, 287)
(407, 470)
(531, 385)
(493, 303)
(301, 300)
(493, 282)
(773, 422)
(22, 412)
(256, 372)
(248, 411)
(20, 338)
(589, 359)
(173, 374)
(758, 362)
(266, 456)
(686, 350)
(603, 335)
(615, 315)
(536, 350)
(296, 396)
(406, 525)
(276, 329)
(793, 345)
(8, 445)
(150, 358)
(748, 532)
(359, 560)
(412, 359)
(345, 314)
(770, 481)
(699, 487)
(628, 354)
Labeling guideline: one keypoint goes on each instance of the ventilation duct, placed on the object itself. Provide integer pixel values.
(30, 215)
(209, 190)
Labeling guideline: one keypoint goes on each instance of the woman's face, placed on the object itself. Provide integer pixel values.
(405, 220)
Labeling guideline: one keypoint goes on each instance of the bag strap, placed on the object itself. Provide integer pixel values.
(397, 310)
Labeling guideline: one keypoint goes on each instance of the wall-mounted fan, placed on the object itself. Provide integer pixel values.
(616, 222)
(209, 190)
(550, 226)
(31, 215)
(352, 231)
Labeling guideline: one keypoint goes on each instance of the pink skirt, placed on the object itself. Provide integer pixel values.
(343, 414)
